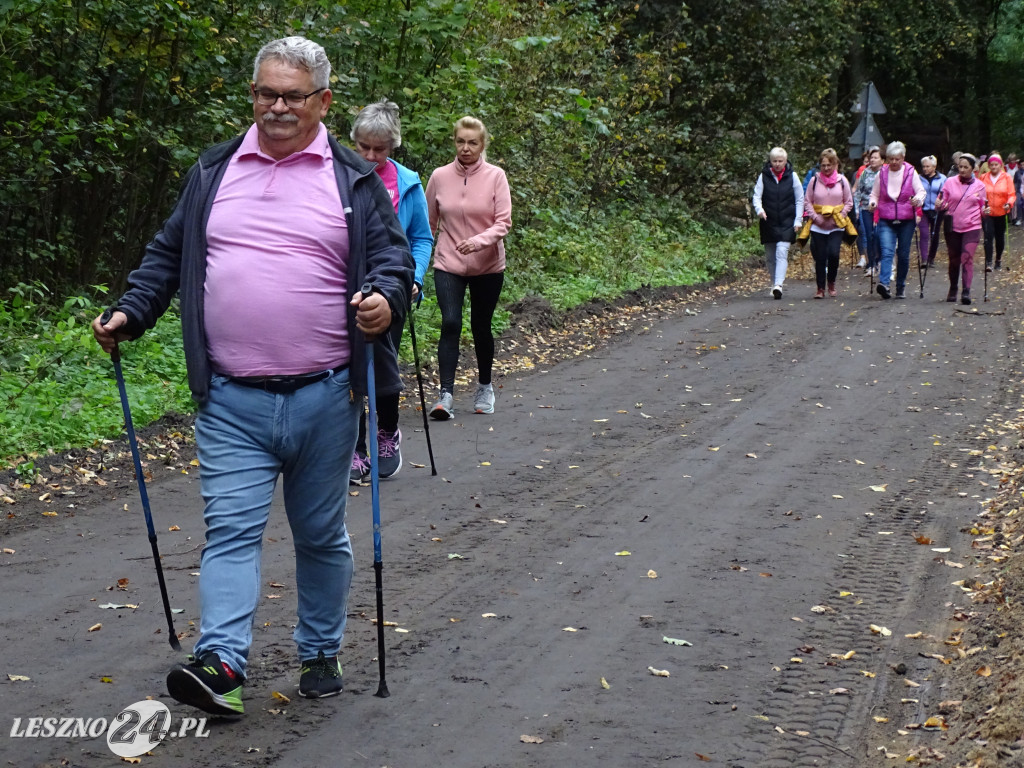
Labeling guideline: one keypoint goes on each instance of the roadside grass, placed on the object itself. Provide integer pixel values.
(57, 388)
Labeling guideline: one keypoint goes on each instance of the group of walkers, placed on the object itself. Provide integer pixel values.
(295, 257)
(888, 204)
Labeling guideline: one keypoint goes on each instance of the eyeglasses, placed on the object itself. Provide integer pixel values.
(269, 98)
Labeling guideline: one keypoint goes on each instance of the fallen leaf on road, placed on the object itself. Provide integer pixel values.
(658, 672)
(623, 553)
(455, 556)
(485, 463)
(499, 522)
(8, 551)
(836, 496)
(715, 449)
(879, 488)
(95, 628)
(488, 615)
(840, 691)
(569, 629)
(705, 758)
(940, 549)
(911, 683)
(174, 528)
(751, 455)
(605, 684)
(984, 671)
(18, 678)
(923, 540)
(652, 574)
(858, 461)
(878, 719)
(280, 697)
(877, 630)
(674, 641)
(844, 656)
(531, 739)
(866, 673)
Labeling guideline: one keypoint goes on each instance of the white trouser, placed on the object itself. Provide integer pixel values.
(776, 257)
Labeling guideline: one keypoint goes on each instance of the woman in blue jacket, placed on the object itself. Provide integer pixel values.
(376, 133)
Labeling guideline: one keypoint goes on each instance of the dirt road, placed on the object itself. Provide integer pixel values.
(749, 479)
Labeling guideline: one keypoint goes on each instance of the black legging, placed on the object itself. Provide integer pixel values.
(995, 231)
(450, 291)
(825, 250)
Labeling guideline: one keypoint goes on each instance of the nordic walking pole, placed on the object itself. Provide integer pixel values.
(378, 564)
(921, 271)
(115, 357)
(985, 297)
(423, 402)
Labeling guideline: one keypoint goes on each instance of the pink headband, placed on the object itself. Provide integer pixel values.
(995, 157)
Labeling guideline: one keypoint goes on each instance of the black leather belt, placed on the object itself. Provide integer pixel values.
(285, 385)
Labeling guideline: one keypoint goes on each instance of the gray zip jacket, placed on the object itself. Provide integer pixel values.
(175, 261)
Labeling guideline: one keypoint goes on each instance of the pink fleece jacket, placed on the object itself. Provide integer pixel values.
(469, 203)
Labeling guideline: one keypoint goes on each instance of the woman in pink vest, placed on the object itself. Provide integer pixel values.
(827, 202)
(896, 193)
(963, 199)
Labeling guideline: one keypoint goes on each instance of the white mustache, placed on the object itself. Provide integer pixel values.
(270, 117)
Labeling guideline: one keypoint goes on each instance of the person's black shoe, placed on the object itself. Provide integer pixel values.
(901, 293)
(965, 299)
(207, 684)
(320, 677)
(999, 265)
(883, 290)
(389, 453)
(951, 296)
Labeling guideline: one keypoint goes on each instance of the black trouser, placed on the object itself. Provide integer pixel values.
(387, 405)
(450, 291)
(825, 250)
(995, 232)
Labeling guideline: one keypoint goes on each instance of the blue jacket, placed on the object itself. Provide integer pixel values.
(175, 261)
(412, 213)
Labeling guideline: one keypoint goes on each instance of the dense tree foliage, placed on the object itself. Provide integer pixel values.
(613, 119)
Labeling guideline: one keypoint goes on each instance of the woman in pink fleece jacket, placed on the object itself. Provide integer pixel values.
(470, 210)
(963, 199)
(828, 199)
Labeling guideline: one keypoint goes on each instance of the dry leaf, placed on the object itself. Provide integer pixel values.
(658, 672)
(531, 739)
(569, 629)
(984, 671)
(705, 758)
(604, 684)
(923, 540)
(878, 719)
(488, 615)
(836, 496)
(877, 630)
(280, 697)
(652, 574)
(8, 551)
(95, 628)
(18, 678)
(174, 528)
(623, 553)
(879, 488)
(751, 455)
(715, 449)
(840, 691)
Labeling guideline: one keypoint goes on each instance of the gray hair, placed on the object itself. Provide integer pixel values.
(379, 120)
(777, 152)
(896, 148)
(298, 52)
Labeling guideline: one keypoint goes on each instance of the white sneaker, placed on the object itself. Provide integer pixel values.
(444, 408)
(483, 401)
(777, 292)
(862, 263)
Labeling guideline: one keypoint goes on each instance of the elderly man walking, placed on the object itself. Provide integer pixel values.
(896, 192)
(779, 203)
(272, 238)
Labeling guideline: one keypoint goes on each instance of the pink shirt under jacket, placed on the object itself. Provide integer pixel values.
(469, 203)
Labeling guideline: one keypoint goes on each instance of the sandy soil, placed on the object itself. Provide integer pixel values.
(792, 487)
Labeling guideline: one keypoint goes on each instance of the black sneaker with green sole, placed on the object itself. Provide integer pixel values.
(208, 684)
(320, 677)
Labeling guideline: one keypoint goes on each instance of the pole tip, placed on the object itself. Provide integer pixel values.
(174, 642)
(382, 691)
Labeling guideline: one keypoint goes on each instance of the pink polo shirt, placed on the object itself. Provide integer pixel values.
(277, 240)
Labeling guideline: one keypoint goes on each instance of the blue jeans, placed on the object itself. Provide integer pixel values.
(895, 240)
(245, 438)
(867, 237)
